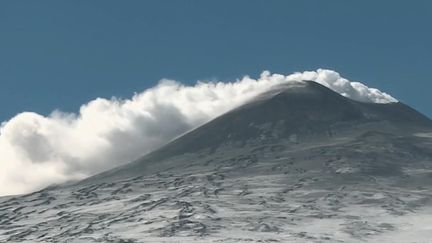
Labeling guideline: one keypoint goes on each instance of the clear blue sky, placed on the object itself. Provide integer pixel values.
(61, 54)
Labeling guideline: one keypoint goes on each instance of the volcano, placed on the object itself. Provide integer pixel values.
(298, 163)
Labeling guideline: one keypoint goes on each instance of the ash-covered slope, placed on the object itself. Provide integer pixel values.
(300, 112)
(307, 110)
(299, 163)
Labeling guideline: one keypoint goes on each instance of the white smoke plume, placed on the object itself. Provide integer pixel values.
(36, 150)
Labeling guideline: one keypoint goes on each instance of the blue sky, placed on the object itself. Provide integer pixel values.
(61, 54)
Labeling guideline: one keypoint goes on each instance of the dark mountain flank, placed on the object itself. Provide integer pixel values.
(296, 114)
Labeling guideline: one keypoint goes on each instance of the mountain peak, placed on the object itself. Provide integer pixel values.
(296, 112)
(305, 109)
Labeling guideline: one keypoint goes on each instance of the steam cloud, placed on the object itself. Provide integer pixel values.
(37, 150)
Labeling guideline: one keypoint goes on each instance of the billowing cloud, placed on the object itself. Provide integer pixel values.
(37, 150)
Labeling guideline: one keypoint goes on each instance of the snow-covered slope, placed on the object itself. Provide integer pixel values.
(299, 163)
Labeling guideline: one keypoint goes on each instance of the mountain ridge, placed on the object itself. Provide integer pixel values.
(299, 111)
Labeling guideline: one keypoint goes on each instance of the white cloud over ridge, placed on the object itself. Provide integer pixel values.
(37, 150)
